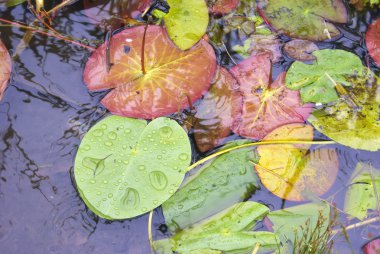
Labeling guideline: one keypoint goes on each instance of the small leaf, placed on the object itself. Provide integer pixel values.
(172, 78)
(317, 82)
(217, 185)
(291, 173)
(301, 50)
(222, 7)
(11, 3)
(186, 22)
(5, 68)
(363, 191)
(305, 19)
(125, 168)
(372, 39)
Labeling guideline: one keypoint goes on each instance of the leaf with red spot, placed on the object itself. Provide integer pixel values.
(173, 77)
(215, 113)
(5, 68)
(372, 38)
(221, 7)
(265, 106)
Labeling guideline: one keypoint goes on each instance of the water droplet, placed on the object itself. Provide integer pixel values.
(82, 180)
(110, 195)
(159, 157)
(98, 193)
(131, 198)
(98, 133)
(103, 126)
(180, 206)
(158, 180)
(183, 157)
(127, 131)
(124, 146)
(175, 167)
(105, 181)
(243, 171)
(117, 213)
(86, 147)
(119, 180)
(144, 209)
(171, 191)
(145, 149)
(165, 132)
(92, 181)
(112, 135)
(108, 143)
(142, 167)
(155, 202)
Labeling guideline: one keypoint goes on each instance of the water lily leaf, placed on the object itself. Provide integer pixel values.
(222, 7)
(373, 247)
(301, 50)
(372, 39)
(265, 106)
(217, 185)
(125, 167)
(172, 78)
(290, 223)
(226, 231)
(353, 120)
(363, 191)
(5, 68)
(317, 81)
(216, 111)
(361, 4)
(305, 19)
(186, 22)
(292, 173)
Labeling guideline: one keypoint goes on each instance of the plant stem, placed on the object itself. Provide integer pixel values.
(150, 231)
(274, 142)
(359, 224)
(256, 249)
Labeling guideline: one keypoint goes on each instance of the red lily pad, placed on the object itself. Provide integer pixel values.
(5, 68)
(221, 7)
(265, 106)
(216, 112)
(372, 38)
(373, 247)
(172, 77)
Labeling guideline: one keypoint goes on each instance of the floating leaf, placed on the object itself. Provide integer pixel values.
(226, 231)
(290, 223)
(372, 39)
(353, 120)
(216, 111)
(125, 167)
(171, 75)
(317, 82)
(361, 4)
(305, 19)
(186, 22)
(301, 50)
(291, 173)
(222, 7)
(5, 68)
(373, 247)
(217, 185)
(11, 3)
(265, 106)
(363, 191)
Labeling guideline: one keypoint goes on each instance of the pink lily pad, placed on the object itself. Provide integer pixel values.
(373, 247)
(5, 68)
(222, 7)
(372, 38)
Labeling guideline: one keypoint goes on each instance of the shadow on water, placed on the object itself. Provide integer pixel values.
(45, 112)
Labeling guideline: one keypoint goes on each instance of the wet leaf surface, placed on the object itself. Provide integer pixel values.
(216, 111)
(265, 106)
(186, 22)
(290, 171)
(305, 19)
(5, 68)
(301, 50)
(363, 191)
(372, 39)
(171, 75)
(317, 82)
(353, 120)
(226, 180)
(221, 7)
(125, 167)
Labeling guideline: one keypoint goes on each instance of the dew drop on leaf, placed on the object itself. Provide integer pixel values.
(158, 180)
(165, 132)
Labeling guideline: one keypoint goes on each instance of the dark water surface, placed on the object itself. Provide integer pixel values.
(46, 111)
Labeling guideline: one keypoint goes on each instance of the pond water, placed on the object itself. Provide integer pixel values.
(46, 111)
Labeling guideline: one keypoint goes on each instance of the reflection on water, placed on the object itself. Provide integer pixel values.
(45, 112)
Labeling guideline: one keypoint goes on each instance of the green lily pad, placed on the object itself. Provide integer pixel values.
(125, 167)
(317, 81)
(353, 120)
(186, 22)
(305, 19)
(226, 180)
(361, 195)
(226, 232)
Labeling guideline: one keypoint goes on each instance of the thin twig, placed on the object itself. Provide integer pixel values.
(150, 231)
(357, 225)
(256, 249)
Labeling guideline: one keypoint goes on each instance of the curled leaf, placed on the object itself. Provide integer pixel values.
(300, 50)
(5, 68)
(372, 39)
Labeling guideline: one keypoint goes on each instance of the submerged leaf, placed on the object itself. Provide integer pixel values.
(123, 167)
(291, 173)
(172, 78)
(221, 7)
(372, 39)
(5, 68)
(318, 82)
(300, 50)
(265, 106)
(217, 185)
(186, 22)
(305, 19)
(353, 120)
(363, 191)
(216, 111)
